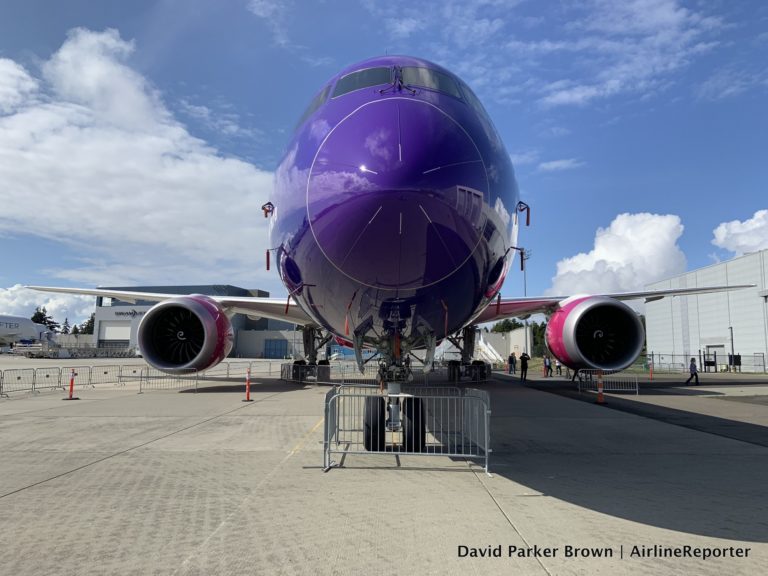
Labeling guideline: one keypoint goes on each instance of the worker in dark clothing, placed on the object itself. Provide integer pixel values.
(524, 366)
(694, 372)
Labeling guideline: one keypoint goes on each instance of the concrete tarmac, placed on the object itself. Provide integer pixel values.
(171, 482)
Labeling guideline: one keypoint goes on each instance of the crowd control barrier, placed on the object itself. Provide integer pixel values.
(48, 378)
(418, 421)
(588, 381)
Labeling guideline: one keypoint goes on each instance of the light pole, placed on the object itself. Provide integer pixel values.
(732, 363)
(525, 255)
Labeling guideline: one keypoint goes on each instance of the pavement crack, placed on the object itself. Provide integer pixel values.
(509, 520)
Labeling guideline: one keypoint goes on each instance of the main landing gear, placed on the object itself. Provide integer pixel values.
(396, 413)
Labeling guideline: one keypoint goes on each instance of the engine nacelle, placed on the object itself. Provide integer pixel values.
(185, 334)
(596, 333)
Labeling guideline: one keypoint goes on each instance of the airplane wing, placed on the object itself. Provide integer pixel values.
(274, 308)
(520, 307)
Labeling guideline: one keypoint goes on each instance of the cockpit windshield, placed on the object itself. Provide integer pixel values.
(317, 101)
(362, 79)
(432, 79)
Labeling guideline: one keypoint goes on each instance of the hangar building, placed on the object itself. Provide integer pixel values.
(720, 330)
(116, 322)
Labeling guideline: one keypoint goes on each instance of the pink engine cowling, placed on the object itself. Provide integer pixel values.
(595, 332)
(188, 333)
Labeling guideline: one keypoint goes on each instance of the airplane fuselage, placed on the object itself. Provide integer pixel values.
(395, 204)
(15, 329)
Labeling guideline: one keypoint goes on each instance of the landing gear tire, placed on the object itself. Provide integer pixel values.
(478, 370)
(414, 425)
(374, 426)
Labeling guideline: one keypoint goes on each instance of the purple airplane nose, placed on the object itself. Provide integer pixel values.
(389, 211)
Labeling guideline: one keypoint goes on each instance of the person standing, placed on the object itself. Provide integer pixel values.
(547, 366)
(512, 363)
(558, 367)
(694, 372)
(524, 366)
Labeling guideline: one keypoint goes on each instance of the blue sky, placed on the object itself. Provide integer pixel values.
(138, 140)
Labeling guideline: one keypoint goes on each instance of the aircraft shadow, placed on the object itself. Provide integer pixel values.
(256, 387)
(636, 470)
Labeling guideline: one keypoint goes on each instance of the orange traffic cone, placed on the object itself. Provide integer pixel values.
(600, 398)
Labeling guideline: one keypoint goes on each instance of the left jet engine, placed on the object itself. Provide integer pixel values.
(189, 333)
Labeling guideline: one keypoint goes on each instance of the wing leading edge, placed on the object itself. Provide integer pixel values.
(516, 307)
(273, 308)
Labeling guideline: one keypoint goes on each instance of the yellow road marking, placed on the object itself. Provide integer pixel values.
(301, 443)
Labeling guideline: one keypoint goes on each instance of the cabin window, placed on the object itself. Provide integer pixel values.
(362, 79)
(432, 79)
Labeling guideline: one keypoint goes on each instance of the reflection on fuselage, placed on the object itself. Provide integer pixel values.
(393, 203)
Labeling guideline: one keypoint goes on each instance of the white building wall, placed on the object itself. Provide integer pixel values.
(507, 342)
(658, 321)
(748, 324)
(686, 325)
(118, 322)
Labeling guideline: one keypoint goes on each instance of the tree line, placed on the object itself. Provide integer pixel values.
(41, 316)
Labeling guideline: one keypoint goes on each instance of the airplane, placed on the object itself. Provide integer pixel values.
(17, 329)
(394, 223)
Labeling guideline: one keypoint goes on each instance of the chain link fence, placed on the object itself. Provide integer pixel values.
(705, 362)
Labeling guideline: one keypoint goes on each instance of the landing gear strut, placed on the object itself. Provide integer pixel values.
(313, 340)
(466, 345)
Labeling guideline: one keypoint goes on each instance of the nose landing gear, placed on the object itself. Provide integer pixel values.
(399, 414)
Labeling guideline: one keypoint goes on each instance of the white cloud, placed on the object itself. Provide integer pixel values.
(597, 49)
(19, 301)
(524, 158)
(635, 250)
(225, 123)
(15, 85)
(277, 15)
(274, 13)
(727, 83)
(403, 27)
(560, 165)
(93, 158)
(743, 237)
(630, 47)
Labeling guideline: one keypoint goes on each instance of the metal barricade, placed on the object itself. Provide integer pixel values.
(612, 382)
(152, 379)
(218, 371)
(106, 375)
(47, 378)
(237, 369)
(263, 368)
(130, 374)
(428, 421)
(82, 375)
(18, 380)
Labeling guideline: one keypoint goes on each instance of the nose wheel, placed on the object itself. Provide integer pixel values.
(374, 425)
(397, 413)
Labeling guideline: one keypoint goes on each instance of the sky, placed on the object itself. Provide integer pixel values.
(139, 139)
